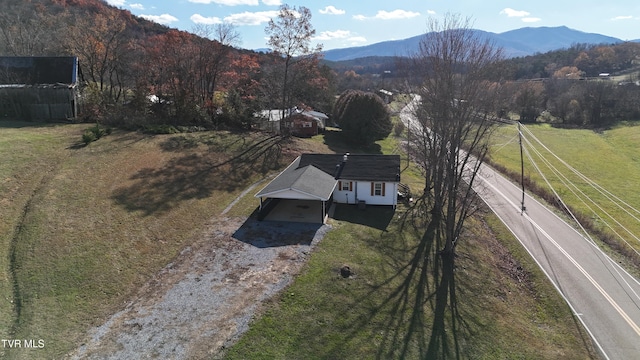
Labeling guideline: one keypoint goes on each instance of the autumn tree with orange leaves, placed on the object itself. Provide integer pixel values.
(290, 36)
(102, 47)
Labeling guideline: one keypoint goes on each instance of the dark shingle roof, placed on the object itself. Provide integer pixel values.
(364, 167)
(28, 70)
(317, 174)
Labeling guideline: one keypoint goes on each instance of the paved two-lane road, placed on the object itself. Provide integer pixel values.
(602, 294)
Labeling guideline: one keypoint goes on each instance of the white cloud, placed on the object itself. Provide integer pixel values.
(199, 19)
(329, 35)
(137, 6)
(514, 13)
(272, 2)
(390, 15)
(331, 10)
(116, 2)
(628, 17)
(251, 18)
(163, 19)
(227, 2)
(357, 39)
(396, 14)
(431, 12)
(531, 19)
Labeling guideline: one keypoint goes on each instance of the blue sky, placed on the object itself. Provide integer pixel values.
(347, 23)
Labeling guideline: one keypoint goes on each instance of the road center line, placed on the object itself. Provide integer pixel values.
(615, 305)
(622, 313)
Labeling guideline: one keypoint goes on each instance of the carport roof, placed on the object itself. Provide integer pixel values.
(308, 181)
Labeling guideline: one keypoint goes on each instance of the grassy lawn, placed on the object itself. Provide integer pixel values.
(610, 158)
(502, 306)
(30, 157)
(84, 227)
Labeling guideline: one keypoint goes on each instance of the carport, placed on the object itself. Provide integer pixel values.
(300, 194)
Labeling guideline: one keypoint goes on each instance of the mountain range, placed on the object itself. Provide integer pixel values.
(516, 43)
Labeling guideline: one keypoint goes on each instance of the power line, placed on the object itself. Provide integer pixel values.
(571, 213)
(569, 184)
(590, 182)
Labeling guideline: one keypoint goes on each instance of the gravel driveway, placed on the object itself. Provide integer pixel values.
(204, 300)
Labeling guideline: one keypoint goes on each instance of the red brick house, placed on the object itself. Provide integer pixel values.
(300, 124)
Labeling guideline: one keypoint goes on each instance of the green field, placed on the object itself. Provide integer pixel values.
(498, 311)
(609, 158)
(83, 227)
(504, 306)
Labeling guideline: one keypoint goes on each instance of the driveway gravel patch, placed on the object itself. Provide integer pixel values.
(205, 300)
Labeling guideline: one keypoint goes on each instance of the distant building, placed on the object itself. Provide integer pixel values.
(269, 120)
(300, 124)
(38, 88)
(386, 95)
(296, 121)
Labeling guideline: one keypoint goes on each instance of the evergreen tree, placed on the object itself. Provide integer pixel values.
(363, 116)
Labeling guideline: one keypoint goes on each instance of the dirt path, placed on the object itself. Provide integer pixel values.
(203, 301)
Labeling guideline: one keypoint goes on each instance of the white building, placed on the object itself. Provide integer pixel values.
(327, 178)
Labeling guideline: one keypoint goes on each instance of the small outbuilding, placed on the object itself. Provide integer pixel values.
(38, 88)
(296, 121)
(300, 124)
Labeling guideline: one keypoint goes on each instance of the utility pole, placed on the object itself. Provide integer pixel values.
(522, 207)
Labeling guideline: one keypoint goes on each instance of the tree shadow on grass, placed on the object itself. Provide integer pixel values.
(419, 316)
(215, 142)
(196, 176)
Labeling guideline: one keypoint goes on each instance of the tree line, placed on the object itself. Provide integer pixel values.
(584, 85)
(563, 86)
(134, 72)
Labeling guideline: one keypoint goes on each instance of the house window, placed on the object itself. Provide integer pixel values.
(377, 189)
(345, 185)
(306, 124)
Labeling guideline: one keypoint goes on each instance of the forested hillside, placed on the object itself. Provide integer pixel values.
(134, 72)
(584, 85)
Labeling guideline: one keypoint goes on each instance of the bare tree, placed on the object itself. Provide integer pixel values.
(290, 37)
(455, 118)
(214, 54)
(102, 46)
(25, 31)
(227, 34)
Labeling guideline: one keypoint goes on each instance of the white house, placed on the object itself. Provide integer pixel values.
(368, 179)
(321, 179)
